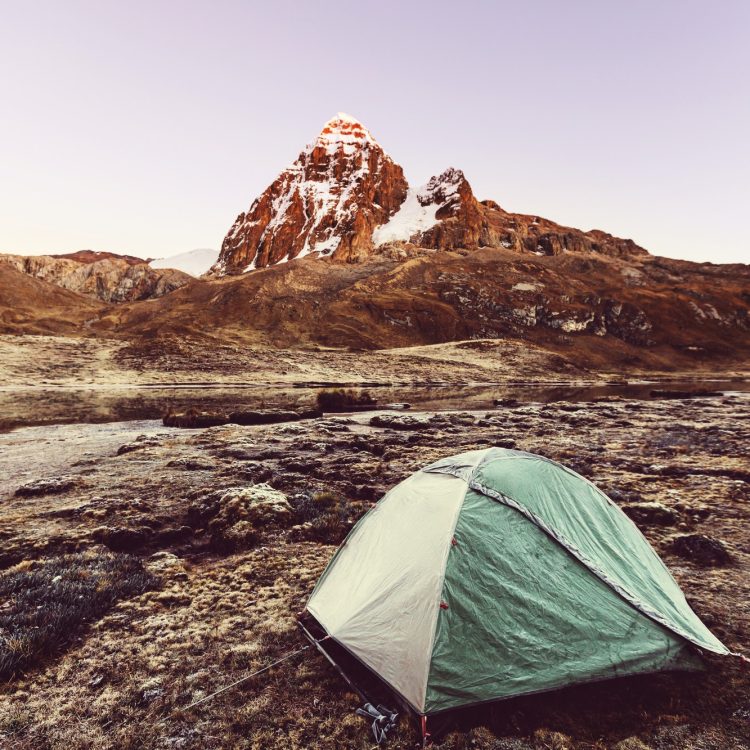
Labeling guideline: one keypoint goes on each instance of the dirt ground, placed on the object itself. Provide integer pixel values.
(40, 361)
(230, 584)
(33, 362)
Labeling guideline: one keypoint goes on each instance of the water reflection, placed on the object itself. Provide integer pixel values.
(63, 406)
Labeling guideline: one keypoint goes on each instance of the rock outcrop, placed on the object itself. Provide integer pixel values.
(103, 276)
(327, 202)
(441, 214)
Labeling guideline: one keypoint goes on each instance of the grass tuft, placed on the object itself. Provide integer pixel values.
(46, 604)
(327, 516)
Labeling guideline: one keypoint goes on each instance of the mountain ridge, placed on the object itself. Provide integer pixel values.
(100, 275)
(369, 263)
(344, 197)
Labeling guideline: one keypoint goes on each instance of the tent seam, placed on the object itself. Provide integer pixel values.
(447, 553)
(587, 563)
(610, 502)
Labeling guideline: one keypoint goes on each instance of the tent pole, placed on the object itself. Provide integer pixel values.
(425, 733)
(317, 645)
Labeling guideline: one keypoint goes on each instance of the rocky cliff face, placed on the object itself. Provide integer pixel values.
(327, 202)
(344, 197)
(110, 278)
(442, 214)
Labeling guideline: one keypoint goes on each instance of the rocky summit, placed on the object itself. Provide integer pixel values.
(327, 202)
(344, 197)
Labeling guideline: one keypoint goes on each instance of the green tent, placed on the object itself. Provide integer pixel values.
(498, 573)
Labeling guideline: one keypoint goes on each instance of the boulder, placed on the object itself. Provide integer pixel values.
(260, 504)
(398, 422)
(187, 463)
(166, 565)
(701, 550)
(651, 514)
(52, 486)
(272, 416)
(141, 442)
(194, 420)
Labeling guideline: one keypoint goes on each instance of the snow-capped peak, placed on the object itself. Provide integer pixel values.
(418, 212)
(343, 132)
(442, 189)
(327, 202)
(344, 118)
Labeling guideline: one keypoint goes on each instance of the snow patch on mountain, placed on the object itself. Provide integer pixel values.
(418, 212)
(342, 133)
(194, 262)
(412, 218)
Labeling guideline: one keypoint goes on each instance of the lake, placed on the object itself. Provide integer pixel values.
(21, 407)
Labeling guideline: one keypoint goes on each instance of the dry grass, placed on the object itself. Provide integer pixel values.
(46, 604)
(125, 681)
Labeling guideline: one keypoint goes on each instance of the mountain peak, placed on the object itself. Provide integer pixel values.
(443, 188)
(343, 197)
(343, 133)
(344, 118)
(327, 202)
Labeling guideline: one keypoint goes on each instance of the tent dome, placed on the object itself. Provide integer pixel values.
(497, 573)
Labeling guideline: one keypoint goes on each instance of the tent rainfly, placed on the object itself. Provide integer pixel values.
(498, 573)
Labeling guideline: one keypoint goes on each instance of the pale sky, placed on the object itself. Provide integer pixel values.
(146, 127)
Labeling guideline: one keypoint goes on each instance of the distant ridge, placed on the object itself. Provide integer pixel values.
(194, 262)
(91, 256)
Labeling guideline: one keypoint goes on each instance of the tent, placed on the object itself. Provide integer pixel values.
(498, 573)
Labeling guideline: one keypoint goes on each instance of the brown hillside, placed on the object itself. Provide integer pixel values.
(646, 311)
(30, 305)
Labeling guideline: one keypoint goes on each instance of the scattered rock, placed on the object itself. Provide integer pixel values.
(141, 442)
(699, 549)
(651, 514)
(191, 464)
(53, 486)
(123, 539)
(194, 420)
(621, 496)
(238, 536)
(260, 504)
(166, 565)
(272, 416)
(504, 443)
(399, 422)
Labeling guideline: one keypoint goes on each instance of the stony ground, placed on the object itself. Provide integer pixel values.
(236, 523)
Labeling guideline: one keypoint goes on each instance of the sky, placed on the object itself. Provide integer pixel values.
(145, 127)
